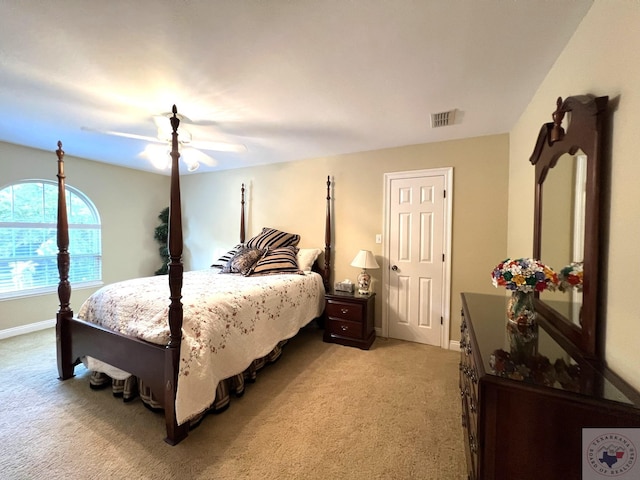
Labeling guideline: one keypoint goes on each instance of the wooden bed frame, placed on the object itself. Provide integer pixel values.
(156, 365)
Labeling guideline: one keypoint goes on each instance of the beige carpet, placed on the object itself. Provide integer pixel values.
(323, 411)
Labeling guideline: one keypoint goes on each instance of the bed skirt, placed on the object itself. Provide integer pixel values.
(129, 389)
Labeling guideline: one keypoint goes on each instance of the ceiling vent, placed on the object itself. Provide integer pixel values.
(443, 119)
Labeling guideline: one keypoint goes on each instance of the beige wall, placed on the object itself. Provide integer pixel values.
(291, 196)
(600, 59)
(128, 202)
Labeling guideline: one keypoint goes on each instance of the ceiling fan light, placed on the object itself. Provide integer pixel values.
(161, 162)
(190, 159)
(158, 156)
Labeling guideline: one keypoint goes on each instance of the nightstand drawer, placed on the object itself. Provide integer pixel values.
(344, 311)
(344, 328)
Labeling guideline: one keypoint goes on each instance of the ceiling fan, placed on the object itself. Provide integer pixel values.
(191, 151)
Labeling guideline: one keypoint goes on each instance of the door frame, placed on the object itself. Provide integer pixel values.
(447, 172)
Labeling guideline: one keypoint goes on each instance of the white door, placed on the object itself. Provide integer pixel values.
(417, 256)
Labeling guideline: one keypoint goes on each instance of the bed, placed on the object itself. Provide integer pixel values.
(184, 333)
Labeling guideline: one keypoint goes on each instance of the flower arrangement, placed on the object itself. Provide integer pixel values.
(571, 277)
(524, 275)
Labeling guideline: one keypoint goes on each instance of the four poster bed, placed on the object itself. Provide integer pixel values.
(186, 338)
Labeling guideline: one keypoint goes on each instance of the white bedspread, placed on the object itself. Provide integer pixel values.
(229, 320)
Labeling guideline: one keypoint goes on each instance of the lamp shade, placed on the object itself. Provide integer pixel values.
(365, 259)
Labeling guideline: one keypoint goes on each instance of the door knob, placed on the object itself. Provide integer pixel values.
(394, 268)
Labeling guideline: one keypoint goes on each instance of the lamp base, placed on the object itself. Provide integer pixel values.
(364, 280)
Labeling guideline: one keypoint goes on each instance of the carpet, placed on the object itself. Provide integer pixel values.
(323, 411)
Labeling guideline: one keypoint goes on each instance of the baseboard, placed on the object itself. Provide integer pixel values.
(32, 327)
(453, 344)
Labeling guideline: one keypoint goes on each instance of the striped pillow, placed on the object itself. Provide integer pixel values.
(272, 238)
(224, 259)
(277, 260)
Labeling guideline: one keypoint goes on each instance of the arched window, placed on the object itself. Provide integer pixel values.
(28, 239)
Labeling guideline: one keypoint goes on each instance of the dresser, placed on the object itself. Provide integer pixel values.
(349, 319)
(526, 397)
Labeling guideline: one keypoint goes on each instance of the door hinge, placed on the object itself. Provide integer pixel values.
(443, 257)
(444, 193)
(441, 320)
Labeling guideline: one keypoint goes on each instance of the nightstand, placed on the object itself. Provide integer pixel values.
(349, 319)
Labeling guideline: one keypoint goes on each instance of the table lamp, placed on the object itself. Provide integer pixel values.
(364, 259)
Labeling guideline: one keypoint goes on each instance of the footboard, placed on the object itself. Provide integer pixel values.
(154, 364)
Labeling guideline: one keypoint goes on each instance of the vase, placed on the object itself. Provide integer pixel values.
(520, 308)
(523, 342)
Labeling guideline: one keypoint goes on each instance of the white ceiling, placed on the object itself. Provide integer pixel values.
(289, 79)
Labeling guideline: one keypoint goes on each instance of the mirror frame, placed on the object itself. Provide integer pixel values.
(585, 115)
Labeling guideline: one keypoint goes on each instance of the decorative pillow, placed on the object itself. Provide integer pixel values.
(277, 260)
(242, 261)
(224, 259)
(270, 237)
(306, 257)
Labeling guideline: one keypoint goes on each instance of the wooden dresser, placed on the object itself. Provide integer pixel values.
(527, 424)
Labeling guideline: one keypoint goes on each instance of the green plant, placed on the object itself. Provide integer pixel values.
(161, 235)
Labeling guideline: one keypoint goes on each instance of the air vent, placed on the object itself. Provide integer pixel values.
(443, 119)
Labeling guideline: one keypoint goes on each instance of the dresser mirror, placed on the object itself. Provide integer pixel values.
(567, 217)
(563, 227)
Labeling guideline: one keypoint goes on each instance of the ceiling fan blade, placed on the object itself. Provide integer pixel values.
(163, 117)
(163, 126)
(193, 156)
(124, 135)
(218, 146)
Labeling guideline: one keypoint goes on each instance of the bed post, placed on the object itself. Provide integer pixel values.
(242, 234)
(327, 241)
(63, 336)
(175, 432)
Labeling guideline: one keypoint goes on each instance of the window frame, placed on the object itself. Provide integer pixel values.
(70, 192)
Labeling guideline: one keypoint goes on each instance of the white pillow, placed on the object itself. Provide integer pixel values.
(306, 257)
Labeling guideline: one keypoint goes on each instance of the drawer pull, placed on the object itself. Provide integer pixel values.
(344, 328)
(344, 310)
(473, 445)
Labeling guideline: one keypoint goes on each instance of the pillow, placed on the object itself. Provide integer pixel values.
(277, 260)
(306, 257)
(270, 237)
(224, 259)
(242, 261)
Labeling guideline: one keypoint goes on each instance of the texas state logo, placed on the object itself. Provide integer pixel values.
(611, 455)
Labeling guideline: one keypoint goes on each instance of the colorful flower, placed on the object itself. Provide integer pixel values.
(525, 275)
(571, 277)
